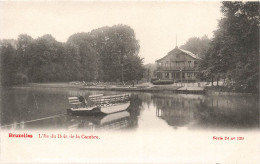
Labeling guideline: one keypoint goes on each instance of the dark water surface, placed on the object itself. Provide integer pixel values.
(45, 108)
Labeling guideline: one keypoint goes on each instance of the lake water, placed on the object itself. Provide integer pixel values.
(45, 108)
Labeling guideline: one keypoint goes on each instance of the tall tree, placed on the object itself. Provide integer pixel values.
(113, 45)
(95, 56)
(88, 55)
(45, 56)
(234, 50)
(8, 65)
(24, 42)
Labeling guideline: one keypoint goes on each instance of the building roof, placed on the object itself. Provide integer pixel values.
(184, 51)
(190, 53)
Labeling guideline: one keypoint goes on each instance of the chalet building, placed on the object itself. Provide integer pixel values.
(178, 65)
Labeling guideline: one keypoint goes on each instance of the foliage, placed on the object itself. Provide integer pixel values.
(108, 49)
(133, 69)
(197, 45)
(162, 82)
(154, 79)
(98, 55)
(234, 50)
(150, 71)
(8, 66)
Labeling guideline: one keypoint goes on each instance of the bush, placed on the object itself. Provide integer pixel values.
(20, 78)
(162, 82)
(154, 79)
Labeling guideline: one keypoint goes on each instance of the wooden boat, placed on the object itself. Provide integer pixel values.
(99, 104)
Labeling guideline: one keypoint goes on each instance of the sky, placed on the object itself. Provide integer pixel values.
(156, 24)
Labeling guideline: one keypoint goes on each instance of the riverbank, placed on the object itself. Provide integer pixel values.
(184, 88)
(145, 87)
(222, 90)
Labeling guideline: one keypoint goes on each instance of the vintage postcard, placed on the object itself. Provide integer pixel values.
(129, 82)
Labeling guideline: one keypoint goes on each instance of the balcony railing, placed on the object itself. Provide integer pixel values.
(175, 68)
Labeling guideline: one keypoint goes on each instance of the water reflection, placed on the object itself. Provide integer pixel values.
(197, 111)
(118, 120)
(175, 110)
(32, 108)
(52, 114)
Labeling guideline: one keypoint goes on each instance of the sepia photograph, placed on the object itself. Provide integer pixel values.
(129, 82)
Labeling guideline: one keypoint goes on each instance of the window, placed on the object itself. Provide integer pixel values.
(177, 56)
(189, 63)
(189, 74)
(172, 64)
(167, 75)
(178, 64)
(167, 64)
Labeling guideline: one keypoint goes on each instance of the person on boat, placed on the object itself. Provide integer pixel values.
(83, 101)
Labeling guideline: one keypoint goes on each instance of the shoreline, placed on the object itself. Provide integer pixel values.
(137, 88)
(154, 89)
(150, 90)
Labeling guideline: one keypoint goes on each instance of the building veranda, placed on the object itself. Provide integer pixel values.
(178, 65)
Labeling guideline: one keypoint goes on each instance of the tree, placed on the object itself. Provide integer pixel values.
(24, 42)
(234, 50)
(134, 69)
(88, 55)
(8, 65)
(45, 58)
(95, 56)
(114, 45)
(197, 45)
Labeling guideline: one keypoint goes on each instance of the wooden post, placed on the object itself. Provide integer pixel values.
(181, 76)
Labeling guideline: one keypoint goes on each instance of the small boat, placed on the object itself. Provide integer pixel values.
(99, 104)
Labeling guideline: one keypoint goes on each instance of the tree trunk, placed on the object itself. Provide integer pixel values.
(122, 74)
(212, 81)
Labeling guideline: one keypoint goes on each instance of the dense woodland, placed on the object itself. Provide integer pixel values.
(100, 55)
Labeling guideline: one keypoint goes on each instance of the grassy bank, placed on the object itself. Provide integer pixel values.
(54, 85)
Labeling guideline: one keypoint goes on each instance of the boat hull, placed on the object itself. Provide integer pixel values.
(84, 111)
(115, 108)
(107, 109)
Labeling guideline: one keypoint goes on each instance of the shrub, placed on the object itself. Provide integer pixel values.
(20, 78)
(162, 82)
(154, 79)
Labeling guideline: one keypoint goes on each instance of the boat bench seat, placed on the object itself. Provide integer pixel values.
(100, 99)
(75, 102)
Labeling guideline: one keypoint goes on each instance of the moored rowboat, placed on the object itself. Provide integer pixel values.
(102, 104)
